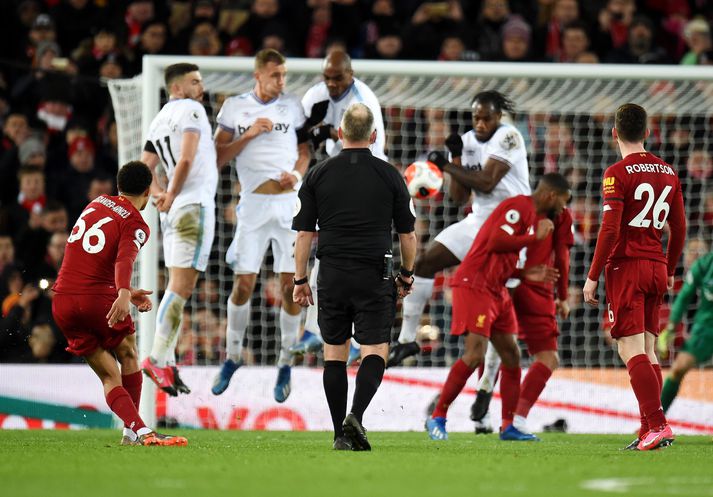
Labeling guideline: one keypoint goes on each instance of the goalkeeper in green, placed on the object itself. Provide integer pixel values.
(698, 348)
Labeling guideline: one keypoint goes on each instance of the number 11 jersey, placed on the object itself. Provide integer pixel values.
(166, 133)
(102, 247)
(648, 192)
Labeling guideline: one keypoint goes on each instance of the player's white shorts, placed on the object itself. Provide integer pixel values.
(459, 237)
(263, 220)
(188, 236)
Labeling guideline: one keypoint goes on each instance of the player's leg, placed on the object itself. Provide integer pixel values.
(545, 362)
(486, 385)
(131, 379)
(683, 363)
(334, 380)
(291, 313)
(473, 354)
(437, 258)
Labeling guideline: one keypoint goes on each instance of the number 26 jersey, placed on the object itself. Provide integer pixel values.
(648, 192)
(102, 247)
(166, 134)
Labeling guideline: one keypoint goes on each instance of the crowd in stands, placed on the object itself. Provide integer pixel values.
(59, 143)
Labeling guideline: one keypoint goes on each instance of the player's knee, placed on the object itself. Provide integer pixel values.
(549, 359)
(510, 357)
(286, 287)
(473, 358)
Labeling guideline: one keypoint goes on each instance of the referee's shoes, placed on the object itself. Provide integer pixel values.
(355, 432)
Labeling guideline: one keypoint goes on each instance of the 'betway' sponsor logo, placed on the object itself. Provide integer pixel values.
(281, 127)
(650, 168)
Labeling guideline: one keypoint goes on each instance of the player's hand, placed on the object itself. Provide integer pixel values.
(317, 114)
(141, 300)
(455, 145)
(321, 134)
(120, 308)
(669, 283)
(562, 307)
(261, 125)
(665, 339)
(541, 274)
(544, 228)
(302, 295)
(164, 201)
(404, 285)
(287, 180)
(437, 158)
(590, 292)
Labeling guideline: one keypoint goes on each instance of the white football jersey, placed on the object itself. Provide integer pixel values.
(268, 154)
(166, 133)
(358, 92)
(508, 146)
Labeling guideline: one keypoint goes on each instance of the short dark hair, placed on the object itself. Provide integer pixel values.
(133, 178)
(493, 97)
(630, 123)
(53, 206)
(267, 55)
(556, 182)
(175, 71)
(30, 169)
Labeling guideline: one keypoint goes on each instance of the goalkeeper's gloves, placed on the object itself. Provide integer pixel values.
(321, 134)
(317, 114)
(455, 145)
(437, 158)
(665, 339)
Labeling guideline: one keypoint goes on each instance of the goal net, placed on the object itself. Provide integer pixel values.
(565, 113)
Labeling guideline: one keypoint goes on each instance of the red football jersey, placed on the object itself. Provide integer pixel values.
(492, 258)
(644, 191)
(544, 252)
(102, 248)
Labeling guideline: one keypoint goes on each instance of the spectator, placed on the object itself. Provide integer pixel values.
(205, 40)
(32, 241)
(388, 46)
(586, 58)
(15, 133)
(318, 31)
(91, 53)
(614, 21)
(493, 16)
(7, 253)
(48, 268)
(383, 20)
(138, 12)
(698, 38)
(640, 47)
(32, 152)
(430, 24)
(153, 41)
(575, 41)
(453, 48)
(102, 184)
(548, 38)
(73, 184)
(264, 16)
(516, 40)
(32, 197)
(42, 30)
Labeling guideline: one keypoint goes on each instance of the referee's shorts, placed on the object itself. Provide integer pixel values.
(354, 292)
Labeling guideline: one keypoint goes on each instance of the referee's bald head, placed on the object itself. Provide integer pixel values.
(357, 123)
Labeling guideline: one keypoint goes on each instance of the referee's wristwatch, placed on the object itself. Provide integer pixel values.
(300, 281)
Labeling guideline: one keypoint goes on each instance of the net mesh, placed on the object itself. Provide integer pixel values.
(566, 124)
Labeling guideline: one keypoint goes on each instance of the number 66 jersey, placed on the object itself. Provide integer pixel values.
(102, 248)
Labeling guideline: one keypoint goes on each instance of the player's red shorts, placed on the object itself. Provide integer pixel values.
(635, 291)
(82, 319)
(536, 318)
(480, 311)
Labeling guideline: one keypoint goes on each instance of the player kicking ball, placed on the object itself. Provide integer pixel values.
(93, 293)
(640, 194)
(482, 307)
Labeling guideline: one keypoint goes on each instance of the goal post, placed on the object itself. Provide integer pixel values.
(565, 112)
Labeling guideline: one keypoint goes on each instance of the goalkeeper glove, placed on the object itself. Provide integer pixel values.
(437, 158)
(663, 342)
(455, 145)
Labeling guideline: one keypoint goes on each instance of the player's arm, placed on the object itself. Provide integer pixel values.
(563, 241)
(677, 236)
(189, 147)
(483, 181)
(459, 193)
(690, 286)
(504, 238)
(150, 158)
(305, 223)
(129, 244)
(404, 222)
(288, 180)
(228, 149)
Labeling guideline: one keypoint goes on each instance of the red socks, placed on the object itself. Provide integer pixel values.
(120, 402)
(533, 385)
(459, 374)
(659, 375)
(645, 424)
(509, 392)
(645, 384)
(132, 384)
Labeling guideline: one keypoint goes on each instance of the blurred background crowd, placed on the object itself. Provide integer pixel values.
(59, 142)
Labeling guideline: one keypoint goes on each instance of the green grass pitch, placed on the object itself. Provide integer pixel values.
(284, 464)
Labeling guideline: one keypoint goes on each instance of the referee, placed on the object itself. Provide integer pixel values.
(355, 197)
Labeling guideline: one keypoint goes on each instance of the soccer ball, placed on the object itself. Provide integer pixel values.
(423, 179)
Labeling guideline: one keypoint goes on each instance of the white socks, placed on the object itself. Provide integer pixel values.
(238, 316)
(490, 369)
(520, 423)
(289, 327)
(128, 432)
(168, 326)
(413, 308)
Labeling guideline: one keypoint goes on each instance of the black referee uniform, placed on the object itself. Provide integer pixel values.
(355, 199)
